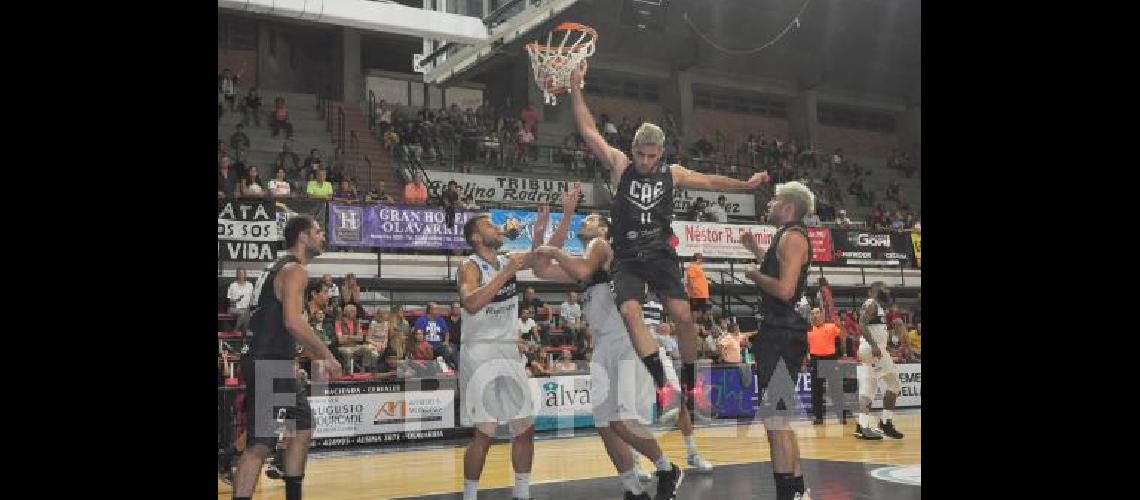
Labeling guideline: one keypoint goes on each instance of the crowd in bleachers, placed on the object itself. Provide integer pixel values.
(414, 342)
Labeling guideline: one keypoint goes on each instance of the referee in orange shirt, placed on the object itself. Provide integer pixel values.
(821, 346)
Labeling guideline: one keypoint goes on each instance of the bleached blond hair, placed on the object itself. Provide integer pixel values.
(799, 195)
(649, 134)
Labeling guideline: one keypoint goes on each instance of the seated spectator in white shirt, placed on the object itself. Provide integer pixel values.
(278, 186)
(239, 294)
(716, 211)
(843, 220)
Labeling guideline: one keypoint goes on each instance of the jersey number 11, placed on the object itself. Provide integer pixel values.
(646, 217)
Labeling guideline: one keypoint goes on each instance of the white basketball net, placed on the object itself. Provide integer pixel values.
(552, 63)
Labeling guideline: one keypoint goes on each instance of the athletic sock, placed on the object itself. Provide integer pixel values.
(293, 487)
(631, 482)
(662, 463)
(691, 445)
(470, 487)
(887, 415)
(785, 489)
(522, 485)
(656, 370)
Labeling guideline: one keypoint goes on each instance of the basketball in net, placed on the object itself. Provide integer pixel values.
(566, 47)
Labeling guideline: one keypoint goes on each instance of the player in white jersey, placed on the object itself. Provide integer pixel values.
(623, 388)
(877, 365)
(493, 385)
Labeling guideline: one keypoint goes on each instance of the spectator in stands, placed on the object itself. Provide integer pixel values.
(914, 341)
(280, 119)
(697, 285)
(843, 220)
(227, 84)
(837, 159)
(252, 107)
(350, 293)
(570, 316)
(221, 105)
(349, 336)
(528, 329)
(287, 159)
(450, 203)
(379, 194)
(455, 328)
(347, 191)
(423, 350)
(434, 328)
(730, 344)
(415, 193)
(529, 117)
(531, 300)
(239, 294)
(227, 181)
(469, 203)
(706, 341)
(697, 210)
(252, 184)
(609, 130)
(812, 219)
(703, 148)
(897, 222)
(716, 212)
(536, 366)
(319, 187)
(565, 364)
(313, 162)
(239, 141)
(522, 146)
(334, 290)
(666, 340)
(278, 185)
(391, 139)
(383, 114)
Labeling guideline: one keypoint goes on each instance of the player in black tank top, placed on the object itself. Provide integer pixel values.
(642, 214)
(782, 279)
(278, 327)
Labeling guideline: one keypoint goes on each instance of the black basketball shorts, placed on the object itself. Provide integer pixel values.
(263, 427)
(661, 269)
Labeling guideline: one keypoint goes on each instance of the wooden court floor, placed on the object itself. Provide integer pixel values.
(412, 473)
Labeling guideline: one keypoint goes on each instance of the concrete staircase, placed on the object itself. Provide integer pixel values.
(308, 130)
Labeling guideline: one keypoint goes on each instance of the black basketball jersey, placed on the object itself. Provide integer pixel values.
(775, 312)
(642, 211)
(270, 338)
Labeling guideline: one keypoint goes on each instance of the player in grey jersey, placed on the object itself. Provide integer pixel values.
(624, 391)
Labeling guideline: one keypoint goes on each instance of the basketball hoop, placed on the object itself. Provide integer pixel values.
(552, 63)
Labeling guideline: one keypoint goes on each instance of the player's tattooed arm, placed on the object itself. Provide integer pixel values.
(569, 203)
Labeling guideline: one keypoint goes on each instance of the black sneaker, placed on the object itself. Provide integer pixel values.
(818, 421)
(889, 430)
(272, 471)
(630, 496)
(668, 481)
(867, 433)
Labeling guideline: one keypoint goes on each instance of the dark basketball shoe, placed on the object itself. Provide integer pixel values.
(643, 496)
(867, 433)
(273, 470)
(668, 481)
(889, 430)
